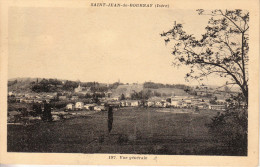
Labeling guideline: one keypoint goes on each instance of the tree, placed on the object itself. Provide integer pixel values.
(122, 97)
(222, 49)
(70, 85)
(47, 116)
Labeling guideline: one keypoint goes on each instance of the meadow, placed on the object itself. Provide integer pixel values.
(135, 131)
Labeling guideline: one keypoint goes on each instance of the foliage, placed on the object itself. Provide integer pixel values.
(46, 85)
(114, 85)
(141, 95)
(47, 116)
(153, 85)
(70, 85)
(10, 83)
(122, 97)
(222, 49)
(232, 125)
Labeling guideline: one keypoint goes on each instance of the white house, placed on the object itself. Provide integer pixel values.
(158, 104)
(150, 103)
(217, 107)
(174, 103)
(123, 103)
(99, 108)
(135, 103)
(166, 104)
(79, 105)
(62, 97)
(70, 106)
(78, 89)
(74, 98)
(115, 98)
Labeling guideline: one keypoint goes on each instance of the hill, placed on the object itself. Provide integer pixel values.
(169, 91)
(21, 84)
(126, 89)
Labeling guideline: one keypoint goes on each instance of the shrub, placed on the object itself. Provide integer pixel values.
(231, 127)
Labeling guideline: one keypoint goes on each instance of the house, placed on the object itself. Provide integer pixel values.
(221, 101)
(150, 103)
(37, 101)
(166, 104)
(89, 106)
(123, 103)
(128, 103)
(28, 101)
(135, 103)
(174, 103)
(158, 104)
(70, 106)
(114, 104)
(62, 97)
(79, 105)
(217, 107)
(115, 98)
(201, 105)
(74, 98)
(99, 108)
(78, 89)
(108, 94)
(10, 93)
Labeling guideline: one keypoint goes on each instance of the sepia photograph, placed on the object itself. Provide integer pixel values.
(129, 80)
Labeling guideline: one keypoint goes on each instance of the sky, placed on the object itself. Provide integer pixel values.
(104, 45)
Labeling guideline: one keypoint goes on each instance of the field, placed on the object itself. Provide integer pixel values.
(135, 131)
(170, 91)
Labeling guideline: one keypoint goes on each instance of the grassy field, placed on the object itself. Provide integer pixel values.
(170, 91)
(135, 131)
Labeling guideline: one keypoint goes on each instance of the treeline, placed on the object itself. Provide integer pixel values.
(10, 83)
(144, 95)
(55, 85)
(153, 85)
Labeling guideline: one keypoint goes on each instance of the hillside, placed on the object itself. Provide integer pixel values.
(21, 84)
(126, 89)
(169, 91)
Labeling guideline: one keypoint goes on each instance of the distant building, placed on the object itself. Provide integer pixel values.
(166, 104)
(221, 101)
(150, 103)
(74, 98)
(79, 105)
(89, 106)
(108, 94)
(217, 107)
(70, 106)
(115, 98)
(78, 89)
(135, 103)
(99, 108)
(123, 103)
(174, 102)
(62, 97)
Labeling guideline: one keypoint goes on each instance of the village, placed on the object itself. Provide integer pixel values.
(83, 101)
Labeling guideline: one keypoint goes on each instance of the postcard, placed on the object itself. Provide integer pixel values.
(129, 82)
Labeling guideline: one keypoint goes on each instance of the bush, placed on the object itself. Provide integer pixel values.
(231, 127)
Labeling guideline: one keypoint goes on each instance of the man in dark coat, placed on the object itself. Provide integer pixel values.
(110, 118)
